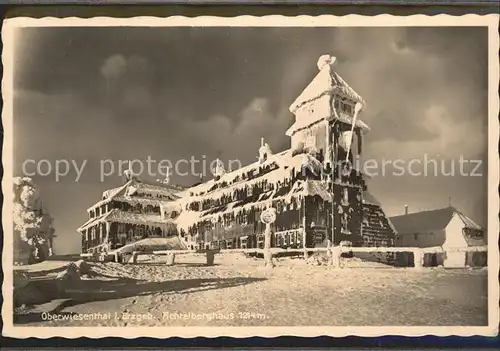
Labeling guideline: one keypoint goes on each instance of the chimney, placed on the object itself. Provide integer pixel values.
(406, 209)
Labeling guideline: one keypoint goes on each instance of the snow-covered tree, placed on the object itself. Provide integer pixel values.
(32, 224)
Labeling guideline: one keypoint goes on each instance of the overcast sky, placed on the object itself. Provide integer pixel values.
(171, 93)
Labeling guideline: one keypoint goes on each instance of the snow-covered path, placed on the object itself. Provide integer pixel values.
(238, 291)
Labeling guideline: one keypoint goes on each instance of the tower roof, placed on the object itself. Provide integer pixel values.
(327, 81)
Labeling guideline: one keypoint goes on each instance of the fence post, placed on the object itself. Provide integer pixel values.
(418, 258)
(170, 259)
(210, 258)
(268, 256)
(336, 253)
(304, 238)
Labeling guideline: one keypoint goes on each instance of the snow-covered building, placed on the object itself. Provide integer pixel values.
(131, 212)
(318, 197)
(445, 227)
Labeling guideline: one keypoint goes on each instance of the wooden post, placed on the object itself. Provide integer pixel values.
(268, 256)
(304, 243)
(304, 231)
(267, 217)
(210, 257)
(336, 253)
(417, 259)
(170, 259)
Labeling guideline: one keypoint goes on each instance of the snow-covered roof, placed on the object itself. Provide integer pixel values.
(428, 221)
(93, 221)
(327, 81)
(135, 218)
(150, 193)
(108, 195)
(278, 165)
(188, 218)
(116, 215)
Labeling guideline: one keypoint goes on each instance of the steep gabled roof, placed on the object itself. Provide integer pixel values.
(126, 217)
(168, 192)
(327, 81)
(429, 221)
(425, 221)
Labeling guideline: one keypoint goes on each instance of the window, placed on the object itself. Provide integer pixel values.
(121, 228)
(139, 231)
(279, 240)
(249, 191)
(243, 243)
(260, 241)
(348, 108)
(318, 239)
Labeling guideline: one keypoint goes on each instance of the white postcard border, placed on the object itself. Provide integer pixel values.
(491, 21)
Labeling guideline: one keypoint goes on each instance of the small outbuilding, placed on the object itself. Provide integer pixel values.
(446, 227)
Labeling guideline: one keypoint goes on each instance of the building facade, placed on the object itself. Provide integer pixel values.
(317, 194)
